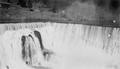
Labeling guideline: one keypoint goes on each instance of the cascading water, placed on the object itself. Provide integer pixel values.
(60, 46)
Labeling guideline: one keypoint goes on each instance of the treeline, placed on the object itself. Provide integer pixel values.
(53, 4)
(22, 3)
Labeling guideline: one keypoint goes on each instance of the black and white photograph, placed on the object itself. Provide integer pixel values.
(59, 34)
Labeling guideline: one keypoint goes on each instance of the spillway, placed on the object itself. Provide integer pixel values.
(59, 46)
